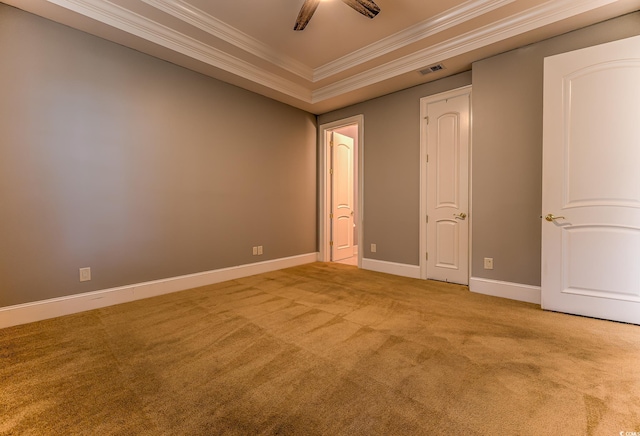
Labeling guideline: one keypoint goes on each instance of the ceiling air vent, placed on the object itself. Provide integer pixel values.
(431, 69)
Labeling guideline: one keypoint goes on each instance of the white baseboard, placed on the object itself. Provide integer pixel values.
(398, 269)
(513, 291)
(55, 307)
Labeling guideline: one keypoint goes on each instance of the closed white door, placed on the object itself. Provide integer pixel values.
(591, 182)
(342, 151)
(448, 189)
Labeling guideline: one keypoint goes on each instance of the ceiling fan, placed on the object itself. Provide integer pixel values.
(366, 7)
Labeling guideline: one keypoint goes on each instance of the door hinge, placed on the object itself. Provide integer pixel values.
(331, 171)
(331, 243)
(427, 218)
(426, 255)
(331, 143)
(427, 158)
(331, 215)
(427, 118)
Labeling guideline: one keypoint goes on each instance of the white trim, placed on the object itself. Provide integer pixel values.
(55, 307)
(398, 269)
(324, 231)
(135, 24)
(127, 21)
(434, 25)
(213, 26)
(512, 291)
(424, 103)
(470, 183)
(530, 19)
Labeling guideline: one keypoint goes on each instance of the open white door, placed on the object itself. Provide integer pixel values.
(447, 178)
(591, 182)
(342, 150)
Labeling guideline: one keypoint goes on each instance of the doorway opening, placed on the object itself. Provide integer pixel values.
(340, 217)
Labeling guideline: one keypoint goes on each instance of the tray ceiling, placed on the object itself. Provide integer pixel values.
(341, 57)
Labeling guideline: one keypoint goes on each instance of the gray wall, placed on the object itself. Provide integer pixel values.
(137, 168)
(506, 161)
(507, 151)
(392, 169)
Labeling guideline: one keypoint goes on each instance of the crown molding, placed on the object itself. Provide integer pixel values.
(439, 23)
(452, 17)
(135, 24)
(118, 17)
(542, 15)
(196, 17)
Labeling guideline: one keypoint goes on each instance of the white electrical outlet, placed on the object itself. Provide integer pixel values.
(488, 263)
(259, 250)
(85, 274)
(373, 248)
(255, 251)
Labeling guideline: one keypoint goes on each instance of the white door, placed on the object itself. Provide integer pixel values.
(342, 152)
(448, 189)
(591, 182)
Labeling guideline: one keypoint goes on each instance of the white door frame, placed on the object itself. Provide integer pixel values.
(324, 206)
(424, 102)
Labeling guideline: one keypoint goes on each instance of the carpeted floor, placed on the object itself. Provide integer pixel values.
(321, 349)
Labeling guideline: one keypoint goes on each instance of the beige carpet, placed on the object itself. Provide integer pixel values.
(321, 349)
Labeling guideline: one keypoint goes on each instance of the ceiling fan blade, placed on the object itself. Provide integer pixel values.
(366, 7)
(306, 12)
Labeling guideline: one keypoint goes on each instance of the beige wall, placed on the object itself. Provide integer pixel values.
(137, 168)
(507, 151)
(392, 169)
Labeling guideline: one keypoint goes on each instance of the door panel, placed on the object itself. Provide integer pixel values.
(589, 164)
(447, 238)
(591, 182)
(606, 277)
(447, 157)
(448, 189)
(342, 196)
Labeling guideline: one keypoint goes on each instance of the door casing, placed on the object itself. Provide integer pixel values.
(424, 103)
(324, 182)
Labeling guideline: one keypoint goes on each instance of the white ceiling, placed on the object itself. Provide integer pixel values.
(341, 57)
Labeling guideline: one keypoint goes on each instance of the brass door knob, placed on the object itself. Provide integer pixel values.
(461, 216)
(550, 217)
